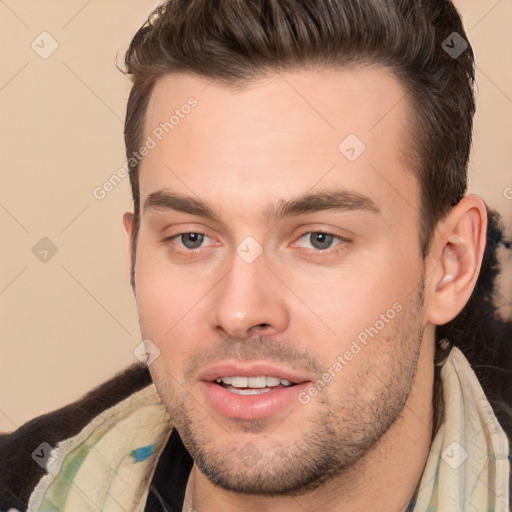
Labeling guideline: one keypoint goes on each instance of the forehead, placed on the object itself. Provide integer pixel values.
(280, 136)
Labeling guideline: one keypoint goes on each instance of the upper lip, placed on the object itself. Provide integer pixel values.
(248, 369)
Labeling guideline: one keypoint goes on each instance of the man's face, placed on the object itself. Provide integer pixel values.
(261, 294)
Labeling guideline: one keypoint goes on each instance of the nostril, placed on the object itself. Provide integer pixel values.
(256, 328)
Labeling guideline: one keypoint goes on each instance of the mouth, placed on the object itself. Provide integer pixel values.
(251, 391)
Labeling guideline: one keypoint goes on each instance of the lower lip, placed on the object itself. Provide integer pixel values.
(251, 407)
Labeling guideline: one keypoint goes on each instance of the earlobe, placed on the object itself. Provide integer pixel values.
(457, 258)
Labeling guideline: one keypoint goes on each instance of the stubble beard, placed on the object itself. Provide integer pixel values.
(347, 427)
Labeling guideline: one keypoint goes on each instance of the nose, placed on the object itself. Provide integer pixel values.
(249, 299)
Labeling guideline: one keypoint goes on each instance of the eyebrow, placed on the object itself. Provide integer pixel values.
(323, 200)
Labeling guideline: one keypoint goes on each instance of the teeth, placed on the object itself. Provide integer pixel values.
(239, 382)
(257, 382)
(253, 382)
(247, 391)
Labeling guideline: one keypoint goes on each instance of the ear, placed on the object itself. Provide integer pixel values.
(455, 259)
(128, 227)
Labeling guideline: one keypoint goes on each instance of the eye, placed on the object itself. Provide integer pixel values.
(320, 240)
(190, 240)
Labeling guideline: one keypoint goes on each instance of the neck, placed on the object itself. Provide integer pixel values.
(391, 470)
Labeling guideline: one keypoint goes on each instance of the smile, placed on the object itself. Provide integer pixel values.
(252, 385)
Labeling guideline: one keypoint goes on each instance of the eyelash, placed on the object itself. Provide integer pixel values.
(329, 251)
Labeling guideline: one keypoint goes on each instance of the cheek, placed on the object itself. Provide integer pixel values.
(351, 296)
(168, 302)
(158, 283)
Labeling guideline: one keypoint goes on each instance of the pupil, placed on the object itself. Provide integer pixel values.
(192, 240)
(324, 240)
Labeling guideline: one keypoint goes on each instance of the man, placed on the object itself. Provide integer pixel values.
(306, 269)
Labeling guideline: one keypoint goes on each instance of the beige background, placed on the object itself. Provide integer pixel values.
(70, 322)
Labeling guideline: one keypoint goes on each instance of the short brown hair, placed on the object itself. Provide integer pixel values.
(236, 41)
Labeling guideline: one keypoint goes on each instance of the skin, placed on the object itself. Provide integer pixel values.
(368, 432)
